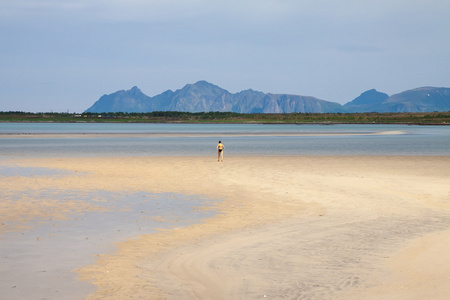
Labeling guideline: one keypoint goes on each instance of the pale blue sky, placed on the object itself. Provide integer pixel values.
(61, 55)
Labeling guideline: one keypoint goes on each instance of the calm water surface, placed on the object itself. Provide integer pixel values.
(333, 140)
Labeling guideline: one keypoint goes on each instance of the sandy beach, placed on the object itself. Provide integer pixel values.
(350, 227)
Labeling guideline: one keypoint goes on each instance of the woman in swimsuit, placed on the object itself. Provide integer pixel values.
(220, 148)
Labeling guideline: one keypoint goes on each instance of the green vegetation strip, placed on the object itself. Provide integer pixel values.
(428, 118)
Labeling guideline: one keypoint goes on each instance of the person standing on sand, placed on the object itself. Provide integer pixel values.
(220, 148)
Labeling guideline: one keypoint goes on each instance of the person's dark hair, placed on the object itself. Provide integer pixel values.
(220, 142)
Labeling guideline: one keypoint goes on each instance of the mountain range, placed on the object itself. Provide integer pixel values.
(203, 96)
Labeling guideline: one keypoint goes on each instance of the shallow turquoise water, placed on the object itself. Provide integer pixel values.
(38, 262)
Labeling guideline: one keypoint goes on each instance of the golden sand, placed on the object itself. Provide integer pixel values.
(287, 227)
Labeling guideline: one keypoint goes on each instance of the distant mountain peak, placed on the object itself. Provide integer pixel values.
(203, 96)
(366, 101)
(201, 83)
(423, 99)
(371, 91)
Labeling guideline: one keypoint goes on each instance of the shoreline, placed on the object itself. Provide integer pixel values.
(285, 225)
(239, 123)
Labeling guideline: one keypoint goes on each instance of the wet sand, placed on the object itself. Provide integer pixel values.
(374, 227)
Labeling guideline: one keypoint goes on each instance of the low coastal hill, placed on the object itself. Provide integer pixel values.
(203, 96)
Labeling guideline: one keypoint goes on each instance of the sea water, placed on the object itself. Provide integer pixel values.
(38, 256)
(239, 139)
(259, 139)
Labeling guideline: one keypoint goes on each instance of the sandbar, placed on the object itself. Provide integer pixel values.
(303, 227)
(92, 135)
